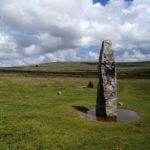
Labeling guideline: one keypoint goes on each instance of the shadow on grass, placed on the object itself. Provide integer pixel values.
(81, 108)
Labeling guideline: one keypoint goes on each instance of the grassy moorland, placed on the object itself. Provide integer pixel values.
(79, 69)
(80, 66)
(34, 117)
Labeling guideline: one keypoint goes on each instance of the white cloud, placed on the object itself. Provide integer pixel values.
(41, 31)
(135, 56)
(92, 56)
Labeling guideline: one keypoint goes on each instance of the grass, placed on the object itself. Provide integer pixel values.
(80, 66)
(34, 117)
(78, 69)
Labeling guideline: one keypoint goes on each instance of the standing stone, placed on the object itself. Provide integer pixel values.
(107, 87)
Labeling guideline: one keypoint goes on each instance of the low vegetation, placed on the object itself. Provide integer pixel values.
(79, 69)
(34, 117)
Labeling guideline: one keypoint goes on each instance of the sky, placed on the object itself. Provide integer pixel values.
(44, 31)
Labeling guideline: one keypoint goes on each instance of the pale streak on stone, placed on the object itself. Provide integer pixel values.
(107, 87)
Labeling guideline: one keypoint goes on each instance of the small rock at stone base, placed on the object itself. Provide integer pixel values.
(120, 103)
(59, 93)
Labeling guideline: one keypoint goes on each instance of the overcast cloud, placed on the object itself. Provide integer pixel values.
(40, 31)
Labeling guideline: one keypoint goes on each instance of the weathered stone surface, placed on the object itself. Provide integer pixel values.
(107, 88)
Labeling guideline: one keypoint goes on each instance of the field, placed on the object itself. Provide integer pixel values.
(80, 69)
(34, 117)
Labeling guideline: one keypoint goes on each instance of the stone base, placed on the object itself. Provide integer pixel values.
(123, 115)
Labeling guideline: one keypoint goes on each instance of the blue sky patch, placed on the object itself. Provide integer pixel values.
(104, 2)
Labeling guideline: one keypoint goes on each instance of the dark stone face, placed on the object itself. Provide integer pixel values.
(109, 68)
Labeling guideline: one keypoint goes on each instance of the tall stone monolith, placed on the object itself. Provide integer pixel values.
(106, 105)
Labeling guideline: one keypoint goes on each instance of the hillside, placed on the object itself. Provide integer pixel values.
(124, 70)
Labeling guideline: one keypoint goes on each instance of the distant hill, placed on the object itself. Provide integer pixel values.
(133, 69)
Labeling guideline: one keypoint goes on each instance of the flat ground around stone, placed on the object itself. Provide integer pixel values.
(123, 116)
(33, 116)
